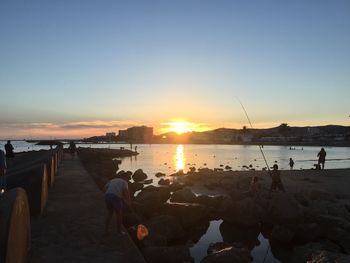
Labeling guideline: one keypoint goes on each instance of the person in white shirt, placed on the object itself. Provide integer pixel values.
(2, 172)
(116, 191)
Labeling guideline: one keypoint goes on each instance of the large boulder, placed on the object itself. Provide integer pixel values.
(284, 210)
(310, 251)
(152, 200)
(174, 254)
(245, 212)
(308, 232)
(228, 255)
(282, 234)
(184, 195)
(166, 226)
(139, 175)
(187, 214)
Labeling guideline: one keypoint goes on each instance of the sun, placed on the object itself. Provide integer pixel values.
(179, 127)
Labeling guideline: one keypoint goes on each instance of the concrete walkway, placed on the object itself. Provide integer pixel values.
(71, 228)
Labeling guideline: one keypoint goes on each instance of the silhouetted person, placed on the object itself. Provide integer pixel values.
(2, 172)
(116, 191)
(9, 153)
(291, 163)
(276, 183)
(135, 148)
(322, 157)
(72, 149)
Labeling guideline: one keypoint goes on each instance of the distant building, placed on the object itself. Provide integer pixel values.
(140, 134)
(110, 134)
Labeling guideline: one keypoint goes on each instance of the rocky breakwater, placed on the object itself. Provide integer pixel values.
(314, 223)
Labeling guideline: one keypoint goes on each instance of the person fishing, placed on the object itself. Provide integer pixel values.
(276, 183)
(116, 191)
(9, 153)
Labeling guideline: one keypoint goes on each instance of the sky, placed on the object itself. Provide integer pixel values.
(76, 68)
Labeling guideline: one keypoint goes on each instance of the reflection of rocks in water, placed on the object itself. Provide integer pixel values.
(248, 237)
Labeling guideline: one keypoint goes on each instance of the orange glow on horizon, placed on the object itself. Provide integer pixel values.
(181, 126)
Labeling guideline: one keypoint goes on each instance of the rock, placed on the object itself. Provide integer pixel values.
(326, 257)
(160, 174)
(174, 254)
(312, 250)
(317, 194)
(340, 237)
(282, 234)
(178, 173)
(152, 200)
(164, 181)
(208, 201)
(284, 210)
(204, 171)
(166, 226)
(187, 214)
(308, 232)
(175, 186)
(301, 198)
(245, 212)
(184, 195)
(133, 187)
(227, 167)
(228, 255)
(218, 170)
(247, 236)
(148, 181)
(192, 169)
(139, 175)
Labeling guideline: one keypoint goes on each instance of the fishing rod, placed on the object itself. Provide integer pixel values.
(251, 126)
(267, 165)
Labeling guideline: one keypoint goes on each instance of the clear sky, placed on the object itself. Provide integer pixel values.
(73, 68)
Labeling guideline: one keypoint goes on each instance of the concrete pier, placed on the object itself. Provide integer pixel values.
(71, 227)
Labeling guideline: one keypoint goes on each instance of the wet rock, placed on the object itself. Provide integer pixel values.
(308, 232)
(152, 200)
(187, 214)
(166, 226)
(135, 186)
(184, 195)
(160, 174)
(246, 236)
(282, 234)
(218, 170)
(164, 181)
(228, 255)
(148, 181)
(209, 201)
(244, 212)
(317, 194)
(174, 254)
(284, 210)
(139, 175)
(326, 257)
(175, 186)
(305, 253)
(178, 173)
(227, 167)
(203, 171)
(192, 169)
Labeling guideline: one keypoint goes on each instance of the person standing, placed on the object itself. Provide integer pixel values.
(2, 172)
(276, 179)
(322, 157)
(291, 163)
(116, 191)
(9, 153)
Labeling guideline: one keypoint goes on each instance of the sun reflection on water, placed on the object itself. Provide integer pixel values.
(179, 157)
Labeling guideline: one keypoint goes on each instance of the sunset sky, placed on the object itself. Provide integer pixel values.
(74, 68)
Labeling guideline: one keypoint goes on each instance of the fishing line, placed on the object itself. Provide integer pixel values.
(251, 126)
(267, 165)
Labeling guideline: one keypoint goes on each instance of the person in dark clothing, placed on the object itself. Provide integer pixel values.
(276, 183)
(322, 157)
(291, 163)
(9, 153)
(72, 149)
